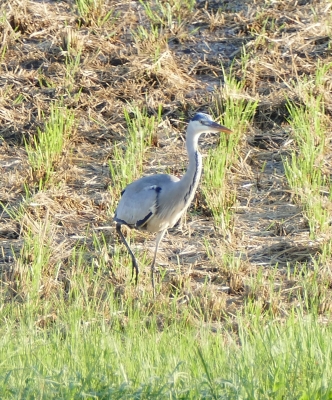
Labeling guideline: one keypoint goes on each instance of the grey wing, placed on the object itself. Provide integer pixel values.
(139, 201)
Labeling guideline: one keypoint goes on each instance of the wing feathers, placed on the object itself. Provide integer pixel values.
(137, 207)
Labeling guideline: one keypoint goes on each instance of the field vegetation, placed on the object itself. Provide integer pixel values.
(94, 94)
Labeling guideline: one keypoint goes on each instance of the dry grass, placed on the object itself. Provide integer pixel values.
(49, 53)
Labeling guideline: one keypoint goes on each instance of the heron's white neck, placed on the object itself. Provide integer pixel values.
(190, 179)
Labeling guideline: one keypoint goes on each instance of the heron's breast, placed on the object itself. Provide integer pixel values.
(164, 218)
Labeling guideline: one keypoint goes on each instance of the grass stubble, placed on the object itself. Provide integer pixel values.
(96, 93)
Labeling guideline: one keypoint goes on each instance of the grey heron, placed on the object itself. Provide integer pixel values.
(155, 203)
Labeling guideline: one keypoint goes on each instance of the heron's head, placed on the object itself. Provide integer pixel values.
(203, 123)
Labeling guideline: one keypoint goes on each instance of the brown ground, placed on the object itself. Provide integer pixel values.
(284, 40)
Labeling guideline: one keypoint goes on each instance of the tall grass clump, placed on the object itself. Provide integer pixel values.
(236, 110)
(166, 14)
(93, 12)
(127, 161)
(33, 263)
(305, 167)
(44, 150)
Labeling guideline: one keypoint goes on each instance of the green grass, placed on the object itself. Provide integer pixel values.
(235, 111)
(72, 65)
(94, 12)
(166, 14)
(80, 354)
(304, 167)
(144, 34)
(44, 150)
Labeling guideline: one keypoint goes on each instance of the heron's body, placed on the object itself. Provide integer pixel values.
(155, 203)
(162, 198)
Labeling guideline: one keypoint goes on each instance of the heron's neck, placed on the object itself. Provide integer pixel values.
(191, 178)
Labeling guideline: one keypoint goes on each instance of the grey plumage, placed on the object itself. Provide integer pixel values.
(155, 203)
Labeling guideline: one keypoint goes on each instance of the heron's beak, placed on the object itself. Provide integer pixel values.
(216, 127)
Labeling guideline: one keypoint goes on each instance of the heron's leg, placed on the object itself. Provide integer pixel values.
(133, 259)
(159, 237)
